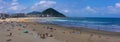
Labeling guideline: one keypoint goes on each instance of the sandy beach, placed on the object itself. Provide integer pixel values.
(25, 30)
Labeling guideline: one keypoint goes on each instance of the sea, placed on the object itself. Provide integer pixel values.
(97, 23)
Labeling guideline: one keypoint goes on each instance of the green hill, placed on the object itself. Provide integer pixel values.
(53, 13)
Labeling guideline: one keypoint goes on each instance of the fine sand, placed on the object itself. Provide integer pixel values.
(21, 30)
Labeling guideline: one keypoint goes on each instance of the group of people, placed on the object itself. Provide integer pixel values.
(9, 26)
(44, 35)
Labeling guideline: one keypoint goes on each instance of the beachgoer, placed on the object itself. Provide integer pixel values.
(42, 36)
(51, 35)
(24, 26)
(99, 36)
(46, 34)
(19, 29)
(10, 34)
(91, 35)
(8, 30)
(63, 32)
(54, 29)
(47, 27)
(33, 29)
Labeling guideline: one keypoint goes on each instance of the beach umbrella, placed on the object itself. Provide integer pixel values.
(24, 31)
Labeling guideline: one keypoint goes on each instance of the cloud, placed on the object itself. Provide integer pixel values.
(1, 7)
(88, 8)
(113, 9)
(43, 4)
(15, 6)
(117, 5)
(47, 3)
(66, 11)
(14, 2)
(0, 0)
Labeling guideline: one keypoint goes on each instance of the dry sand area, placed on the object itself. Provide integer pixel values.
(11, 31)
(21, 31)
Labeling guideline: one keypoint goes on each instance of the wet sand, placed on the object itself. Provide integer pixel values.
(51, 33)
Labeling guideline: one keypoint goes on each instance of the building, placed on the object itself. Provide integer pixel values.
(3, 15)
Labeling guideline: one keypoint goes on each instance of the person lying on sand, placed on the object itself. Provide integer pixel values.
(10, 34)
(42, 36)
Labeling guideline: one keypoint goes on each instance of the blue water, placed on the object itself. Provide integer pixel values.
(106, 24)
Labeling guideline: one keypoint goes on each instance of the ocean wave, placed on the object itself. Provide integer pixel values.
(102, 25)
(60, 20)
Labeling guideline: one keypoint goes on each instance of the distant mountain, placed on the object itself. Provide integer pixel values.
(52, 12)
(34, 13)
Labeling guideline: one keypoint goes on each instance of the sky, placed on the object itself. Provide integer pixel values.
(70, 8)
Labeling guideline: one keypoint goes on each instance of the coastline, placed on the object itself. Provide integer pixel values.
(84, 29)
(70, 34)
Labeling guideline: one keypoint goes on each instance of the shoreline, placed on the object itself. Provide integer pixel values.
(82, 31)
(81, 28)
